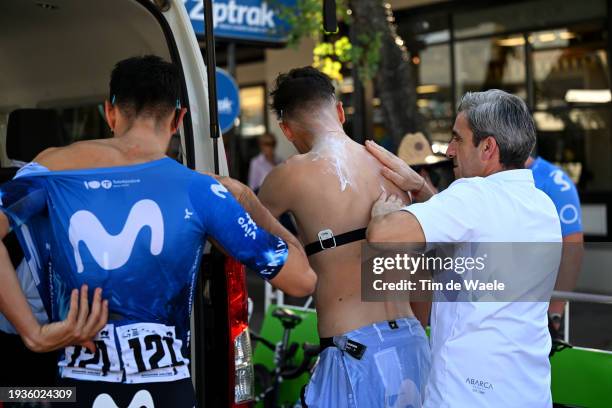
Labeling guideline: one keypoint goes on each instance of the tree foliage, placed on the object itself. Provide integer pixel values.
(376, 50)
(332, 53)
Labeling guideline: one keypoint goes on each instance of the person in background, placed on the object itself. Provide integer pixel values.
(559, 187)
(13, 346)
(264, 162)
(21, 147)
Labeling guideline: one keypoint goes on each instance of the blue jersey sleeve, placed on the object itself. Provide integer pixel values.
(225, 220)
(562, 192)
(22, 198)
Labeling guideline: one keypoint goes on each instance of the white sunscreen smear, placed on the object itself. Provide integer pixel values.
(331, 144)
(333, 149)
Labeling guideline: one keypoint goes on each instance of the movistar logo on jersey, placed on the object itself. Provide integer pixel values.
(113, 251)
(219, 190)
(142, 398)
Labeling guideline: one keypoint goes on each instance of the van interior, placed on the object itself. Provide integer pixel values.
(57, 56)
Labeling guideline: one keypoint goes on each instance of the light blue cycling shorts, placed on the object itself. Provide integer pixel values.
(392, 372)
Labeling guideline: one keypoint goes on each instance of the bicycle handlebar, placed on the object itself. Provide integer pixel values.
(263, 341)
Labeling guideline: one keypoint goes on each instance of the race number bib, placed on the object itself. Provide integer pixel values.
(151, 353)
(103, 365)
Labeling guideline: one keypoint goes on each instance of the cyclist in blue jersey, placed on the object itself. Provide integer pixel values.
(562, 191)
(118, 215)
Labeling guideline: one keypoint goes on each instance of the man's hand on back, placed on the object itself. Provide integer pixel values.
(396, 170)
(385, 205)
(399, 172)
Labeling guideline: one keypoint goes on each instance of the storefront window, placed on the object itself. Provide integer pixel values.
(252, 111)
(580, 141)
(491, 63)
(552, 54)
(570, 67)
(427, 39)
(434, 82)
(528, 15)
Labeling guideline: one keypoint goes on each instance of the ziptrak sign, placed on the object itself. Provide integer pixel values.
(246, 20)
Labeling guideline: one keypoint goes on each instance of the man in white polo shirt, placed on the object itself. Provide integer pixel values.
(484, 354)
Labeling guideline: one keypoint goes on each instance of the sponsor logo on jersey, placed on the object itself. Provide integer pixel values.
(558, 179)
(108, 184)
(248, 226)
(113, 251)
(93, 184)
(219, 190)
(568, 214)
(479, 386)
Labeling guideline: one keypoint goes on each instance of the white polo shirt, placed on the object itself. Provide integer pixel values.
(489, 354)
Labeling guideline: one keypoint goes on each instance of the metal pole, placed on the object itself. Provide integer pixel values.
(581, 297)
(211, 65)
(231, 59)
(232, 134)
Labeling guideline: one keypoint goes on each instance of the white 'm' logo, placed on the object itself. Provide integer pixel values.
(142, 398)
(218, 189)
(113, 251)
(557, 176)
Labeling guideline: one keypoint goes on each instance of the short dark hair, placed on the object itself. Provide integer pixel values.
(299, 89)
(145, 85)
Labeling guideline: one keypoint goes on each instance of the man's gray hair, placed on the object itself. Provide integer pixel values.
(506, 118)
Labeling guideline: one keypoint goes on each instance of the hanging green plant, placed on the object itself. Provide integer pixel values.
(332, 55)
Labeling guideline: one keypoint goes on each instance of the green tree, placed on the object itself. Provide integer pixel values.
(377, 52)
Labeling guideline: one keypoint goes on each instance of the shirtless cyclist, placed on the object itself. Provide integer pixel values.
(373, 354)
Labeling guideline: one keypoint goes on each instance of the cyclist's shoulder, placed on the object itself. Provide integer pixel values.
(82, 154)
(206, 189)
(206, 180)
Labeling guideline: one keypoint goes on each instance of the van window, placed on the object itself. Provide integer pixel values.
(61, 57)
(84, 123)
(87, 122)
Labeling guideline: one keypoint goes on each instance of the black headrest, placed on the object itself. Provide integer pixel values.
(30, 131)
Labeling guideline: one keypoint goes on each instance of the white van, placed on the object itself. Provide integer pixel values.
(55, 61)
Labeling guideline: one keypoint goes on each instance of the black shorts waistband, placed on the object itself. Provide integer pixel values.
(325, 342)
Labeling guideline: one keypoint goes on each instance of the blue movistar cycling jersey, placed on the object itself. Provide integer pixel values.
(562, 191)
(138, 232)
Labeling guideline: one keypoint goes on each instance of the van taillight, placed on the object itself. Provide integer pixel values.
(241, 381)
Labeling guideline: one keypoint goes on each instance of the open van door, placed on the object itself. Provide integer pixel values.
(57, 56)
